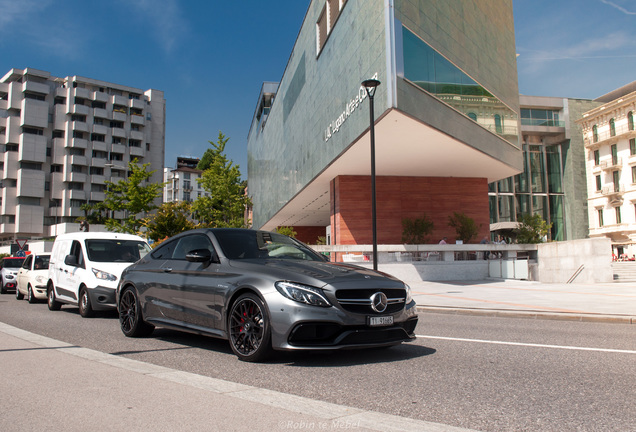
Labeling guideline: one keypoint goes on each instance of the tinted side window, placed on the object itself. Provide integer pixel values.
(27, 262)
(76, 251)
(164, 251)
(190, 243)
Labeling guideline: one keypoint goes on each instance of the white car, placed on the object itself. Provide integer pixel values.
(32, 278)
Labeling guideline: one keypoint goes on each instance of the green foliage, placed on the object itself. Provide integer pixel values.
(170, 219)
(131, 196)
(465, 227)
(225, 207)
(532, 229)
(92, 215)
(322, 240)
(286, 230)
(416, 231)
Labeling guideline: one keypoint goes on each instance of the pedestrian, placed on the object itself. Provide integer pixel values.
(443, 241)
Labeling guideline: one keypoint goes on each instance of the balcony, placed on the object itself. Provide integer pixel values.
(137, 151)
(79, 126)
(100, 129)
(606, 137)
(36, 87)
(118, 148)
(137, 135)
(119, 116)
(138, 119)
(82, 93)
(613, 193)
(78, 109)
(612, 164)
(100, 146)
(118, 132)
(98, 179)
(100, 113)
(136, 103)
(77, 143)
(119, 100)
(100, 96)
(98, 196)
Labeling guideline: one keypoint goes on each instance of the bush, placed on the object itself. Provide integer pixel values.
(465, 226)
(416, 231)
(532, 229)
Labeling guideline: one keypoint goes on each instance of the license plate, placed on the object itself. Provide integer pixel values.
(377, 321)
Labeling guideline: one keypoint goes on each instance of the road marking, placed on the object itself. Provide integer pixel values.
(575, 348)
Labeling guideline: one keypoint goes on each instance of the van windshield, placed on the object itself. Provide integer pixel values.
(104, 250)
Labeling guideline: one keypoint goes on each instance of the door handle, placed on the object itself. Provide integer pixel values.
(167, 269)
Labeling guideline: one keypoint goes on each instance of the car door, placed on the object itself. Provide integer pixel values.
(198, 283)
(69, 277)
(23, 274)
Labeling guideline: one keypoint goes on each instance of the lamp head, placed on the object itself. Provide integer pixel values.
(370, 85)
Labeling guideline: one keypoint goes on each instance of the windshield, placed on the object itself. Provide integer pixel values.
(12, 263)
(105, 250)
(246, 244)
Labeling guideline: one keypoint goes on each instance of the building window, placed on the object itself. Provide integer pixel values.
(31, 166)
(597, 157)
(327, 21)
(97, 171)
(75, 186)
(600, 217)
(614, 151)
(78, 118)
(58, 134)
(56, 168)
(472, 116)
(616, 178)
(630, 121)
(612, 125)
(632, 146)
(634, 174)
(32, 131)
(599, 185)
(595, 133)
(78, 134)
(619, 220)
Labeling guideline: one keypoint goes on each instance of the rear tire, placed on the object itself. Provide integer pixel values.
(85, 307)
(53, 304)
(131, 319)
(18, 294)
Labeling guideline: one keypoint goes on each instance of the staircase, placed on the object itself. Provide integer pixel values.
(624, 271)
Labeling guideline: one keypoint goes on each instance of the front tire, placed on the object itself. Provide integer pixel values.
(30, 296)
(249, 329)
(85, 307)
(131, 320)
(18, 294)
(53, 304)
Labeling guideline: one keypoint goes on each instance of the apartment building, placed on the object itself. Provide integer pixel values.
(181, 183)
(610, 143)
(553, 170)
(62, 138)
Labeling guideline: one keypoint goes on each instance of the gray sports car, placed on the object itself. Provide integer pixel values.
(262, 291)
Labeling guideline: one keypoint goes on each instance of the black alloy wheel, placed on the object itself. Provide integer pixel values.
(130, 319)
(249, 328)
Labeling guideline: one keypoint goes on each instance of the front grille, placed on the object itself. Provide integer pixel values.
(359, 300)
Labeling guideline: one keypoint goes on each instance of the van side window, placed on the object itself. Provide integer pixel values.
(76, 251)
(27, 262)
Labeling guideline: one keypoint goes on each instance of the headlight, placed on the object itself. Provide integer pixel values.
(303, 293)
(40, 279)
(409, 297)
(104, 275)
(9, 276)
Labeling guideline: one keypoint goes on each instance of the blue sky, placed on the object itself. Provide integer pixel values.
(210, 57)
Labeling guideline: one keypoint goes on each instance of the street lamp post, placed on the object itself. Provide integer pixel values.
(370, 86)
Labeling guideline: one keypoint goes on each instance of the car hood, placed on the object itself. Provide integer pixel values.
(318, 273)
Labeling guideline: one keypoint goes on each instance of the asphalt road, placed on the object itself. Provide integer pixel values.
(481, 373)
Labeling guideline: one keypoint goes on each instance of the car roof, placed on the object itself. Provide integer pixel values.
(98, 236)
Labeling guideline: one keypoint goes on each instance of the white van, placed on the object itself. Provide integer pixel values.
(85, 268)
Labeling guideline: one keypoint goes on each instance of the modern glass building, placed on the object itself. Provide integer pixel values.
(553, 170)
(446, 119)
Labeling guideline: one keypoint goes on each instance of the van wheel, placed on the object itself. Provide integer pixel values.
(18, 294)
(85, 308)
(53, 304)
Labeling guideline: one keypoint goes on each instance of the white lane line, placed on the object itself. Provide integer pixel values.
(575, 348)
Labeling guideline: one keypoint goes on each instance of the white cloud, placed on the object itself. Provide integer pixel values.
(16, 12)
(619, 7)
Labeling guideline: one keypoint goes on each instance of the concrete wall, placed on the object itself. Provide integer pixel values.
(559, 261)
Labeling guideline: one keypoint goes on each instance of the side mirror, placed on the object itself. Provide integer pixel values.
(201, 255)
(70, 260)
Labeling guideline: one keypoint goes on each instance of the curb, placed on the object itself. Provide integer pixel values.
(500, 313)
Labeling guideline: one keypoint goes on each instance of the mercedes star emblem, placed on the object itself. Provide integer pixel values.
(378, 302)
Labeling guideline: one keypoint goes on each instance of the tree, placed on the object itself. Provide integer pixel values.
(170, 219)
(532, 229)
(225, 207)
(416, 231)
(131, 196)
(286, 230)
(465, 226)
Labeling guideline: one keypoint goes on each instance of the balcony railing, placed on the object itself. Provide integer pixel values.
(591, 141)
(611, 164)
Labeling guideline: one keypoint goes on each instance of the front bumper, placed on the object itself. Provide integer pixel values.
(302, 327)
(102, 298)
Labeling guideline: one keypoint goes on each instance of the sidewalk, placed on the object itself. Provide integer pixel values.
(51, 385)
(608, 302)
